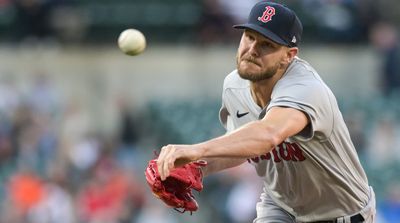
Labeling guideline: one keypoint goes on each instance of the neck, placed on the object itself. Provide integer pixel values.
(261, 90)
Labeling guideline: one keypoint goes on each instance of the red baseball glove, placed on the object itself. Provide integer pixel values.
(176, 190)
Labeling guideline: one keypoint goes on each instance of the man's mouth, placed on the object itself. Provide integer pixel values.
(251, 61)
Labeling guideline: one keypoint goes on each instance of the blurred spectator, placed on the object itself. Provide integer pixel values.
(9, 96)
(356, 125)
(218, 17)
(34, 139)
(129, 154)
(56, 206)
(84, 154)
(24, 190)
(43, 97)
(384, 38)
(244, 195)
(25, 137)
(156, 212)
(242, 201)
(215, 24)
(110, 196)
(237, 10)
(47, 142)
(9, 101)
(6, 151)
(73, 134)
(69, 23)
(383, 140)
(128, 135)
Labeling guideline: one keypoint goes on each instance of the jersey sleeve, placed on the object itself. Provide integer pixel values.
(225, 112)
(312, 98)
(223, 115)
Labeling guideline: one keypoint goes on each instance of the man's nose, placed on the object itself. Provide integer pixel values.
(253, 48)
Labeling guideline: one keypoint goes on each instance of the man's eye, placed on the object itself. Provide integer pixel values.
(267, 45)
(250, 37)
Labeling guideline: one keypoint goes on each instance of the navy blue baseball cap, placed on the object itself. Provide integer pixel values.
(276, 22)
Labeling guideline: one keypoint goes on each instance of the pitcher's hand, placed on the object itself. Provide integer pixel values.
(173, 156)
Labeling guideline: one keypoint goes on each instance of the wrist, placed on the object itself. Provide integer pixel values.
(199, 150)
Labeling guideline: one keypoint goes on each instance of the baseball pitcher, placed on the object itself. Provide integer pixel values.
(282, 118)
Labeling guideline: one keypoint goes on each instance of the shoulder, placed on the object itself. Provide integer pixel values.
(301, 69)
(302, 84)
(300, 74)
(234, 81)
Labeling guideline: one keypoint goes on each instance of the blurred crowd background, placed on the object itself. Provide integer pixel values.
(79, 120)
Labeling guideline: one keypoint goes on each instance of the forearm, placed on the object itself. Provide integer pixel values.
(251, 140)
(219, 164)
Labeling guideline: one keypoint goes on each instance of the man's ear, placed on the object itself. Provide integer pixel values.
(291, 53)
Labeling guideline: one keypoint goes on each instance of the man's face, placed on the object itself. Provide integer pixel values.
(258, 58)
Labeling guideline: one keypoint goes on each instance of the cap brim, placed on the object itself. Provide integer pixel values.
(263, 31)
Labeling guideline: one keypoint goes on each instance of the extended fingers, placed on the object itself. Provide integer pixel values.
(165, 161)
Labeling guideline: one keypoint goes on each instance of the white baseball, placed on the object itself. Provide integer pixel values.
(132, 42)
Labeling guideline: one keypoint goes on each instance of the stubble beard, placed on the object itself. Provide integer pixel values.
(256, 77)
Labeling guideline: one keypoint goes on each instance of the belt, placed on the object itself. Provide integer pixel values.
(358, 218)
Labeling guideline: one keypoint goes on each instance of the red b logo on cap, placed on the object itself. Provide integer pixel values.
(267, 14)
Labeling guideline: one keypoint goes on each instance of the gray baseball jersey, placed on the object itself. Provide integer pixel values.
(316, 174)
